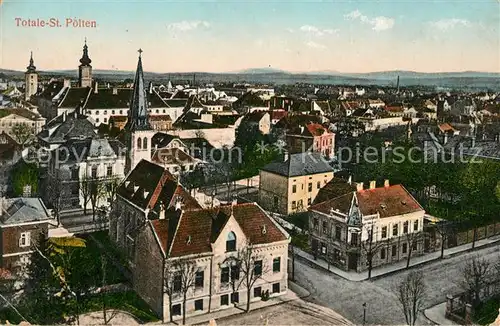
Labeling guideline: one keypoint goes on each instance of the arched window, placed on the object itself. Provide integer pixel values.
(139, 143)
(145, 143)
(231, 242)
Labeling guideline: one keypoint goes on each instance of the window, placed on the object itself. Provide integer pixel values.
(276, 201)
(94, 171)
(276, 288)
(257, 292)
(199, 279)
(109, 170)
(354, 239)
(318, 184)
(415, 226)
(235, 297)
(294, 204)
(139, 143)
(308, 201)
(224, 300)
(177, 283)
(121, 111)
(235, 272)
(145, 143)
(105, 112)
(405, 227)
(325, 227)
(414, 246)
(97, 120)
(74, 174)
(299, 204)
(257, 267)
(25, 239)
(176, 309)
(231, 242)
(382, 253)
(310, 187)
(395, 230)
(105, 120)
(405, 248)
(276, 264)
(224, 275)
(315, 224)
(294, 188)
(384, 232)
(198, 305)
(112, 111)
(338, 232)
(394, 250)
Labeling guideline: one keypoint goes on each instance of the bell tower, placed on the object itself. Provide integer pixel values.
(138, 129)
(85, 69)
(30, 80)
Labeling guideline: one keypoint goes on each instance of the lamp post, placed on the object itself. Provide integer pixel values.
(364, 313)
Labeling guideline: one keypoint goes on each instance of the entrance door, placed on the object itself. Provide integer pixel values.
(353, 261)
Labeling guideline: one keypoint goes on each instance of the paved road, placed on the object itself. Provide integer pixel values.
(347, 297)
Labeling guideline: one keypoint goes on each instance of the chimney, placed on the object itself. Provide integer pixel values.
(373, 184)
(64, 116)
(349, 181)
(359, 186)
(161, 216)
(445, 138)
(115, 91)
(150, 87)
(386, 183)
(178, 203)
(96, 87)
(301, 129)
(285, 156)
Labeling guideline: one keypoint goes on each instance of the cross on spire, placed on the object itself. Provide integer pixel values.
(140, 52)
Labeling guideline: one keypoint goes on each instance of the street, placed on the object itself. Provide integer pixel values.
(347, 297)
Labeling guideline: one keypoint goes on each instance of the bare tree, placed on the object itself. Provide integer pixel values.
(104, 282)
(110, 189)
(411, 294)
(252, 267)
(55, 194)
(185, 276)
(370, 247)
(474, 275)
(96, 193)
(412, 240)
(85, 191)
(22, 133)
(444, 228)
(168, 286)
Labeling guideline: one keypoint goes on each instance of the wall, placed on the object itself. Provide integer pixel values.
(273, 186)
(302, 190)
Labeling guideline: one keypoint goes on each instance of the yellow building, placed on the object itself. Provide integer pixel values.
(290, 186)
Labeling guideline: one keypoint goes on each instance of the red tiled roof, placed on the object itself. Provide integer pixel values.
(388, 201)
(446, 127)
(394, 108)
(316, 129)
(278, 114)
(197, 229)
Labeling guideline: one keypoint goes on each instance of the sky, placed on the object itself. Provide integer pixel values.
(227, 36)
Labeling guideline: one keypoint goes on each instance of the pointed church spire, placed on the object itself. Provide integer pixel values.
(31, 67)
(138, 111)
(85, 60)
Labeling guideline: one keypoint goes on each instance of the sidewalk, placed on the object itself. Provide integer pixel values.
(401, 265)
(294, 292)
(436, 315)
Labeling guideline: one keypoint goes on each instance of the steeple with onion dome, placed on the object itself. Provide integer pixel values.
(85, 69)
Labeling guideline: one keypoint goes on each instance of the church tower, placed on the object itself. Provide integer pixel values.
(85, 69)
(30, 80)
(138, 130)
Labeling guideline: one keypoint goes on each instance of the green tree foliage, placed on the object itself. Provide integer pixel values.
(24, 174)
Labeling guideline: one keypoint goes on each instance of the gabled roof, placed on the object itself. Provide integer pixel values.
(255, 116)
(387, 201)
(91, 147)
(75, 96)
(23, 210)
(25, 113)
(300, 164)
(333, 189)
(148, 184)
(52, 89)
(65, 127)
(194, 231)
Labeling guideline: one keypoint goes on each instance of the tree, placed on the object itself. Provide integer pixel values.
(474, 275)
(55, 194)
(110, 190)
(444, 228)
(411, 294)
(252, 267)
(24, 174)
(107, 317)
(168, 285)
(85, 191)
(185, 272)
(412, 239)
(370, 247)
(96, 193)
(22, 133)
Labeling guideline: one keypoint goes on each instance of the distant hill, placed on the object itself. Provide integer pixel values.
(458, 80)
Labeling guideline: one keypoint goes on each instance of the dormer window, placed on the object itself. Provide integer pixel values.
(231, 242)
